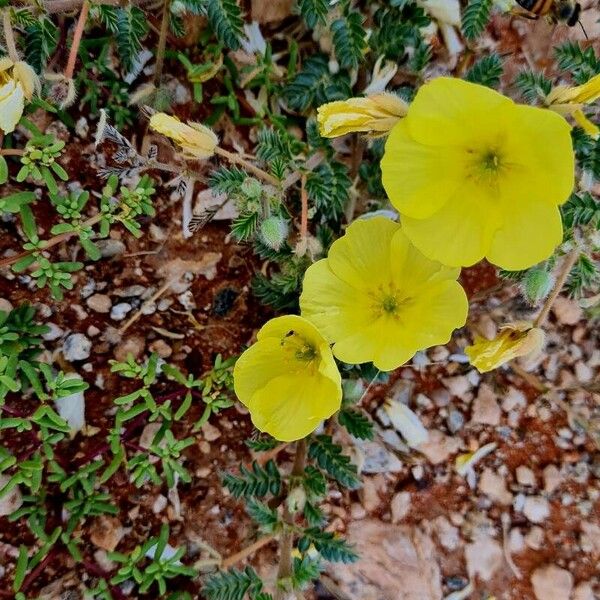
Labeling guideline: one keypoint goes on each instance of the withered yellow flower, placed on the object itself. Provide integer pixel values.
(375, 114)
(196, 140)
(569, 101)
(18, 82)
(514, 340)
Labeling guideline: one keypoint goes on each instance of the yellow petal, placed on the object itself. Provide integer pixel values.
(290, 407)
(580, 94)
(461, 232)
(362, 256)
(196, 140)
(541, 161)
(419, 178)
(12, 103)
(449, 111)
(530, 233)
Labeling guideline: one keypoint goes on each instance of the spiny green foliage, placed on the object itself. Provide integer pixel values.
(331, 547)
(225, 18)
(314, 85)
(587, 152)
(262, 444)
(397, 29)
(582, 63)
(533, 86)
(349, 39)
(313, 11)
(357, 423)
(257, 481)
(41, 37)
(581, 209)
(280, 290)
(475, 17)
(329, 457)
(233, 585)
(486, 71)
(227, 180)
(305, 570)
(131, 25)
(328, 188)
(584, 276)
(264, 516)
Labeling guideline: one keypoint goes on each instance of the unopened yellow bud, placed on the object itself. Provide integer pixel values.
(27, 77)
(514, 340)
(375, 114)
(196, 140)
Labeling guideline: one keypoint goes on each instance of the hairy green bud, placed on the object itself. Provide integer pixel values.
(274, 232)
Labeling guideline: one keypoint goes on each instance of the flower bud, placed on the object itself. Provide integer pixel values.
(251, 188)
(537, 284)
(296, 500)
(196, 140)
(375, 114)
(274, 232)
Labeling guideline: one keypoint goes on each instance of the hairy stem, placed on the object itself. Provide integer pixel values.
(162, 42)
(83, 15)
(247, 551)
(11, 152)
(286, 545)
(565, 269)
(238, 160)
(304, 214)
(9, 36)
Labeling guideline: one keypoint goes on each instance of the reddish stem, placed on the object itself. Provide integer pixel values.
(83, 15)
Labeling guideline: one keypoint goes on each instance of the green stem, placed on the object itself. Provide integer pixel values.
(286, 546)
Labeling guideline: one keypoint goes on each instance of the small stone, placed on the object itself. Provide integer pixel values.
(514, 399)
(375, 458)
(552, 583)
(106, 532)
(400, 506)
(552, 478)
(161, 348)
(439, 447)
(12, 501)
(100, 303)
(536, 509)
(133, 346)
(110, 248)
(210, 432)
(535, 538)
(148, 434)
(54, 332)
(516, 541)
(369, 493)
(494, 486)
(484, 557)
(485, 407)
(525, 476)
(457, 386)
(566, 311)
(5, 305)
(446, 533)
(76, 347)
(418, 472)
(119, 311)
(590, 538)
(455, 420)
(187, 300)
(103, 561)
(357, 511)
(159, 504)
(583, 591)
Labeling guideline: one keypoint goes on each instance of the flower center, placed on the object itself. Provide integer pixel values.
(487, 165)
(390, 305)
(388, 301)
(298, 347)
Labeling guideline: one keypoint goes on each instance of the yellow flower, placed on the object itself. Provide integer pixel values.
(377, 114)
(288, 379)
(196, 140)
(377, 298)
(475, 175)
(569, 101)
(18, 82)
(514, 340)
